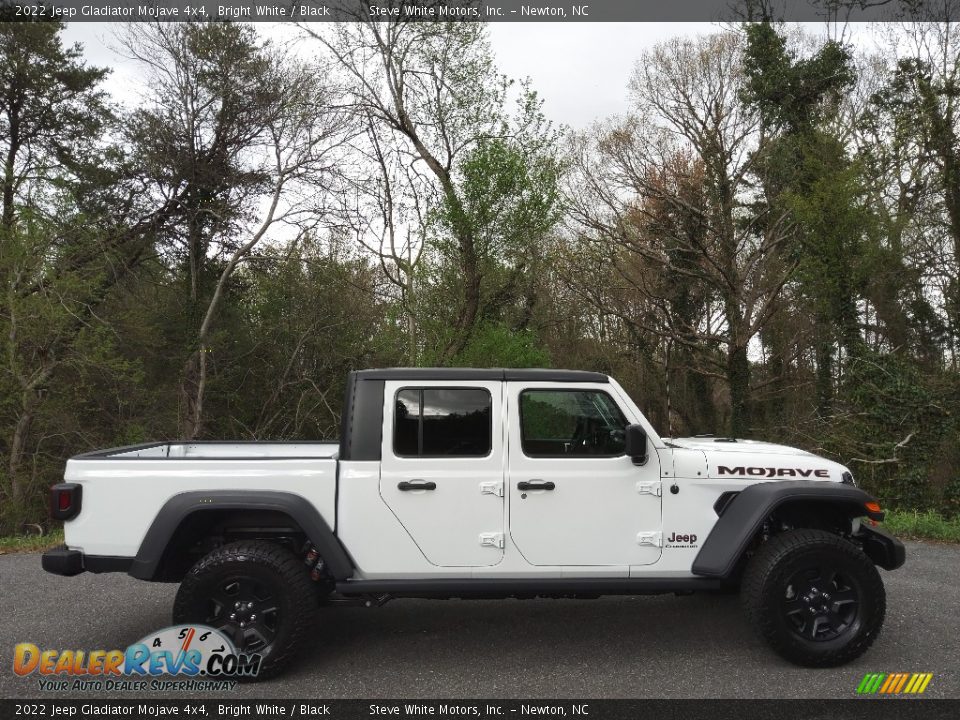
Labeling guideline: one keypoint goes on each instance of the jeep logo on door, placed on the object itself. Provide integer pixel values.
(682, 540)
(771, 472)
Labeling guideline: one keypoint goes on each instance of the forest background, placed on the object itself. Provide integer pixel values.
(766, 246)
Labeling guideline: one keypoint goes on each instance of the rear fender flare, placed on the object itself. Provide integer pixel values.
(178, 508)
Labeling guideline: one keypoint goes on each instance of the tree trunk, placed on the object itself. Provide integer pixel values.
(776, 363)
(21, 431)
(470, 266)
(738, 378)
(413, 354)
(824, 359)
(951, 183)
(13, 132)
(705, 419)
(471, 308)
(17, 449)
(191, 395)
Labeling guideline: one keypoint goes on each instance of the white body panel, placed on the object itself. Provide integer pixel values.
(123, 492)
(447, 523)
(606, 517)
(597, 511)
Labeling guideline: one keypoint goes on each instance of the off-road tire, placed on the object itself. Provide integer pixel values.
(276, 573)
(768, 582)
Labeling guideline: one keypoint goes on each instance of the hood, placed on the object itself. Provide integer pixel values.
(713, 445)
(759, 461)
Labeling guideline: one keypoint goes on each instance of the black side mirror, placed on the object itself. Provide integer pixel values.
(636, 444)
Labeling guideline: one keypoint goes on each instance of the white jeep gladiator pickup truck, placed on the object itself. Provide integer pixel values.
(459, 483)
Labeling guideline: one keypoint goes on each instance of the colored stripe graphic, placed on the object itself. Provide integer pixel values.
(894, 683)
(864, 687)
(891, 679)
(870, 683)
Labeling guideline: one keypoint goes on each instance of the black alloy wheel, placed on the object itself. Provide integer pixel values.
(814, 596)
(820, 603)
(246, 612)
(259, 594)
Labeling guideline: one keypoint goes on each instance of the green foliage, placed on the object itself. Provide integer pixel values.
(834, 227)
(508, 199)
(31, 543)
(806, 171)
(56, 256)
(49, 101)
(507, 202)
(302, 322)
(793, 93)
(500, 346)
(929, 525)
(109, 253)
(892, 426)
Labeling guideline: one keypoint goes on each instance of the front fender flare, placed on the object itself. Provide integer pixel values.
(744, 516)
(179, 507)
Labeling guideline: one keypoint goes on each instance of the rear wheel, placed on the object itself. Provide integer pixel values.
(258, 594)
(816, 598)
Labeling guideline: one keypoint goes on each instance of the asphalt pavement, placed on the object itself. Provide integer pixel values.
(695, 646)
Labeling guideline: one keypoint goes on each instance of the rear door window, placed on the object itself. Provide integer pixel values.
(442, 422)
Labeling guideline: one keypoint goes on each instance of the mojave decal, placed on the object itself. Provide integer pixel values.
(772, 471)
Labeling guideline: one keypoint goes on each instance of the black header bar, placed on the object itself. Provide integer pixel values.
(223, 708)
(481, 10)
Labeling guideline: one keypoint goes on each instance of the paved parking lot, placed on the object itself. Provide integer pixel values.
(617, 647)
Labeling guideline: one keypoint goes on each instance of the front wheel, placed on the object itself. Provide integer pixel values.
(258, 594)
(816, 598)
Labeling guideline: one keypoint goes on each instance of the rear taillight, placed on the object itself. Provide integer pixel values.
(65, 500)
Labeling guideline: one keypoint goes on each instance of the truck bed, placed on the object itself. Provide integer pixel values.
(126, 486)
(218, 450)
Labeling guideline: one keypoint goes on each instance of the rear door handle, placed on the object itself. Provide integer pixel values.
(535, 485)
(416, 485)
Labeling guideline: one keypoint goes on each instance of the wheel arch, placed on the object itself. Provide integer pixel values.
(743, 518)
(189, 516)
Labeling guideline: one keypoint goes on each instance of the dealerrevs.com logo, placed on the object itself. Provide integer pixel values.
(203, 655)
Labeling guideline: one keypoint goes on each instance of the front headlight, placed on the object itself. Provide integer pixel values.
(847, 479)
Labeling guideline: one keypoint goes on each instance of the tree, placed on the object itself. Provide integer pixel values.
(388, 216)
(302, 318)
(431, 92)
(245, 137)
(918, 105)
(671, 187)
(50, 108)
(75, 226)
(52, 267)
(805, 170)
(510, 199)
(902, 194)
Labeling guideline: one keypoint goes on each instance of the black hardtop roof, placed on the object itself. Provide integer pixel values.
(520, 374)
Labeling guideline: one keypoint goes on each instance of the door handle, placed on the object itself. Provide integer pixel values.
(416, 485)
(536, 485)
